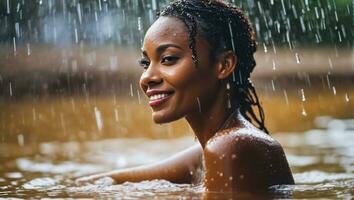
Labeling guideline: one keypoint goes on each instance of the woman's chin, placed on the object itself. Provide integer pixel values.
(161, 118)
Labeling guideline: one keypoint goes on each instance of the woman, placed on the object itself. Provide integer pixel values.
(197, 60)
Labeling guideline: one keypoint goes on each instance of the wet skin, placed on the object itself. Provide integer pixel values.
(241, 158)
(237, 156)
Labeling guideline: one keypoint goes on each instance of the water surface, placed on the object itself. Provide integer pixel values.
(322, 161)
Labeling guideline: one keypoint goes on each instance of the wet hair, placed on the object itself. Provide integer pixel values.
(225, 28)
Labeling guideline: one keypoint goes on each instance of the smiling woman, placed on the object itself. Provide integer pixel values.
(197, 59)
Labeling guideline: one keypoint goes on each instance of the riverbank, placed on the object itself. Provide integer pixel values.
(48, 70)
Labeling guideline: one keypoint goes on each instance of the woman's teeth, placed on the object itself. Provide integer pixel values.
(157, 96)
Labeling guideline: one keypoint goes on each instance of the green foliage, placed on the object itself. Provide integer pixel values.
(277, 22)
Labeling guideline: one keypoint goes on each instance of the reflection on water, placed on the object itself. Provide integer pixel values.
(322, 161)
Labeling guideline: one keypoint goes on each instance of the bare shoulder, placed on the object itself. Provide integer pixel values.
(238, 139)
(252, 158)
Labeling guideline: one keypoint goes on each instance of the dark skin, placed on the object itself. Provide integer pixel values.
(238, 156)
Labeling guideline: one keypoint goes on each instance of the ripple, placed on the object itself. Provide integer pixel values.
(312, 177)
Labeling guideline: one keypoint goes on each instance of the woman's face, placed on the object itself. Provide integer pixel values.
(174, 86)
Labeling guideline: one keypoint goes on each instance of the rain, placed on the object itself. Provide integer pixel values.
(71, 104)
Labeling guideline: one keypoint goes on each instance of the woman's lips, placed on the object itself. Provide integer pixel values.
(158, 99)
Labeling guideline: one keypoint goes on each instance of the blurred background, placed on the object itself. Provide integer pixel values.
(69, 72)
(68, 68)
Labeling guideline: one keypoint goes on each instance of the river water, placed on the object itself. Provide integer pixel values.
(321, 159)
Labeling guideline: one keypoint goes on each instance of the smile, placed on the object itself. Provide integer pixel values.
(157, 99)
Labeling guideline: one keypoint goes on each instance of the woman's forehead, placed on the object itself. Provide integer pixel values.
(167, 29)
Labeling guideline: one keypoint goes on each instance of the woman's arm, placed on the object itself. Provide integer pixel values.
(177, 169)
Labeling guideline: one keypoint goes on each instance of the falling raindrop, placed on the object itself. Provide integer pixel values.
(303, 112)
(346, 97)
(199, 106)
(138, 93)
(330, 63)
(28, 49)
(14, 45)
(265, 48)
(73, 106)
(334, 90)
(154, 5)
(76, 36)
(98, 117)
(274, 66)
(273, 86)
(232, 37)
(34, 114)
(62, 122)
(116, 116)
(297, 58)
(20, 140)
(8, 6)
(10, 89)
(303, 95)
(78, 7)
(17, 29)
(131, 90)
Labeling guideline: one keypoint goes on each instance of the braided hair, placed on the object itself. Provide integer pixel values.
(219, 23)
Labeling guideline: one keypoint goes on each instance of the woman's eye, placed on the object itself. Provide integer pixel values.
(144, 63)
(169, 60)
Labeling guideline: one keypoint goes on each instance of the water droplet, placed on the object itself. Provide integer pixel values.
(10, 89)
(34, 114)
(20, 140)
(273, 86)
(233, 157)
(304, 113)
(76, 36)
(154, 5)
(78, 7)
(14, 45)
(265, 48)
(131, 90)
(334, 90)
(303, 95)
(199, 106)
(286, 97)
(98, 117)
(221, 174)
(8, 6)
(242, 176)
(297, 58)
(226, 185)
(28, 49)
(231, 178)
(232, 37)
(346, 97)
(116, 116)
(274, 67)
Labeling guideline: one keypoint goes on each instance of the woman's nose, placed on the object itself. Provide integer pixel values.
(150, 77)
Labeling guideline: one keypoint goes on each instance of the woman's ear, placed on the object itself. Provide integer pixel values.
(226, 64)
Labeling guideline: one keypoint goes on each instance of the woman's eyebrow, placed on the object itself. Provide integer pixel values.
(162, 47)
(144, 52)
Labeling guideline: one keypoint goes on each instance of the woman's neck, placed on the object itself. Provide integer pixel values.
(210, 120)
